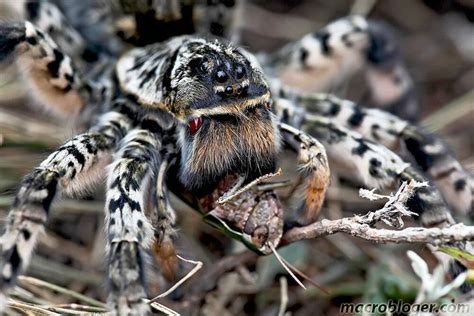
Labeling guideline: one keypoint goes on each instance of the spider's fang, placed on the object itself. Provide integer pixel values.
(194, 125)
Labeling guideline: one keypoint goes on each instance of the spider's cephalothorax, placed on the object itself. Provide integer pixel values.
(220, 101)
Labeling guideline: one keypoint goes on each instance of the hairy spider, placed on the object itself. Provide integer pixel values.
(215, 116)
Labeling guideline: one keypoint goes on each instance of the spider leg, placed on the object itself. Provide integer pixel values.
(326, 59)
(373, 165)
(49, 72)
(48, 17)
(129, 230)
(314, 166)
(430, 153)
(71, 168)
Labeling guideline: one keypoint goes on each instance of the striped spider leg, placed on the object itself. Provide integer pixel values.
(51, 74)
(328, 58)
(428, 151)
(129, 231)
(370, 164)
(74, 167)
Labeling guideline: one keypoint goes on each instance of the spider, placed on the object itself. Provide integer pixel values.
(208, 120)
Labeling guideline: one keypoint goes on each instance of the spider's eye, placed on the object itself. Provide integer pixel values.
(204, 65)
(221, 76)
(239, 72)
(200, 64)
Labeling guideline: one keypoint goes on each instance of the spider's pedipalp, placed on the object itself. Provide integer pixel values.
(314, 166)
(29, 213)
(163, 219)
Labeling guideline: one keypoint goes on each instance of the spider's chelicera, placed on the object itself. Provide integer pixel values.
(208, 120)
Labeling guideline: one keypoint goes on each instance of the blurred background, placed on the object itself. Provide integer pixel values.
(437, 43)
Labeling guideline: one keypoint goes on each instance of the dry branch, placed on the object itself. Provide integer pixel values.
(434, 236)
(391, 214)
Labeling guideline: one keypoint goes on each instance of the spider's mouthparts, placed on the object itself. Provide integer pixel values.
(194, 125)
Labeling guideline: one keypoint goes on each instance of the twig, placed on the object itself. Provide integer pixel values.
(391, 213)
(60, 289)
(283, 296)
(435, 236)
(198, 266)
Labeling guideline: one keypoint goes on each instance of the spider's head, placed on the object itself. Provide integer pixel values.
(221, 103)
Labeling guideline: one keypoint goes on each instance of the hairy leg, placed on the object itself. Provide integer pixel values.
(48, 17)
(327, 59)
(50, 74)
(129, 230)
(73, 166)
(314, 166)
(429, 152)
(358, 159)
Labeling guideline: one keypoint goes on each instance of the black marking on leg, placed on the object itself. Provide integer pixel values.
(15, 260)
(361, 149)
(32, 8)
(334, 109)
(26, 233)
(303, 56)
(357, 117)
(54, 65)
(374, 129)
(460, 184)
(323, 37)
(415, 147)
(374, 167)
(32, 40)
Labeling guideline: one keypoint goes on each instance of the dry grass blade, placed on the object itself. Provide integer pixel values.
(59, 289)
(29, 309)
(198, 266)
(304, 276)
(283, 296)
(280, 259)
(162, 308)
